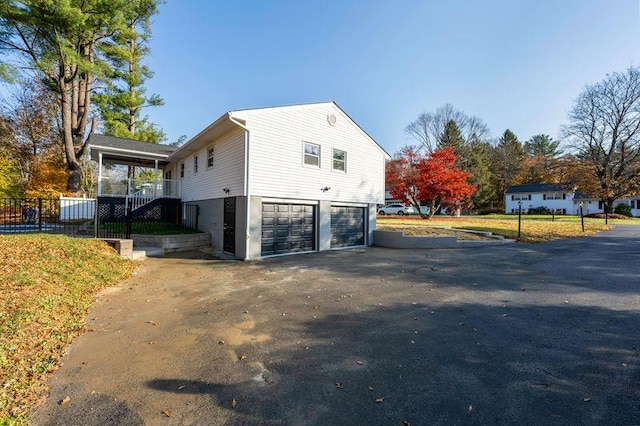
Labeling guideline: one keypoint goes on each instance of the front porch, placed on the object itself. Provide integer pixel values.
(132, 170)
(134, 190)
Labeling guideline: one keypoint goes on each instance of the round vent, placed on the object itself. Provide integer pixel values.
(331, 119)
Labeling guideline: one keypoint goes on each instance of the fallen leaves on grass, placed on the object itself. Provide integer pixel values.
(534, 229)
(47, 284)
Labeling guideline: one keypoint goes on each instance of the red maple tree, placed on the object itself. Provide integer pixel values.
(433, 179)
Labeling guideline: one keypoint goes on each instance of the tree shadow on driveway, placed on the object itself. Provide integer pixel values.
(453, 364)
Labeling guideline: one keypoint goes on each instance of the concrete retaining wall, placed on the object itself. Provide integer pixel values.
(397, 239)
(173, 242)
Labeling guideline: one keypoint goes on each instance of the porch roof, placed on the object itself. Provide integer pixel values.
(128, 151)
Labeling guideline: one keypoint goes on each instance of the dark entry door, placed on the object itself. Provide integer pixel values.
(229, 236)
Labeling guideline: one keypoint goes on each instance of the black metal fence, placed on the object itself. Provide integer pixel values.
(118, 219)
(105, 217)
(71, 216)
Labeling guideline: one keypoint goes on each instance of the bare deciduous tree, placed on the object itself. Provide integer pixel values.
(428, 128)
(604, 132)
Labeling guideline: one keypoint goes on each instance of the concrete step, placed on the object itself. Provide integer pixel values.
(141, 253)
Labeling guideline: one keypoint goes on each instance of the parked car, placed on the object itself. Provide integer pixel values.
(399, 209)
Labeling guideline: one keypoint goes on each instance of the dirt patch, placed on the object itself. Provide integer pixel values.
(430, 231)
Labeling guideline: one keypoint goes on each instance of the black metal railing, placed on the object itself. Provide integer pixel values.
(105, 217)
(71, 216)
(117, 219)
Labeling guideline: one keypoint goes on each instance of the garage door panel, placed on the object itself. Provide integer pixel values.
(287, 228)
(347, 226)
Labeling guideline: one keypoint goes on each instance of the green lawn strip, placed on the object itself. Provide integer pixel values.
(533, 228)
(47, 284)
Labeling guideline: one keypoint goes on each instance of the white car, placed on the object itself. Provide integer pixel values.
(399, 209)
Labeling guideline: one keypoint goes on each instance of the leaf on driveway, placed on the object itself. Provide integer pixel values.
(181, 387)
(470, 409)
(359, 362)
(338, 385)
(152, 322)
(241, 357)
(65, 401)
(371, 388)
(379, 400)
(167, 413)
(587, 400)
(234, 404)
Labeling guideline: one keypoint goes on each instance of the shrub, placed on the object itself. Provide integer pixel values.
(539, 210)
(623, 209)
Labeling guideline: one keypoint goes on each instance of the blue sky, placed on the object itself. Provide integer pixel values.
(517, 64)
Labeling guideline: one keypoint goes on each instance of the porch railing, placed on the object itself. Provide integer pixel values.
(122, 187)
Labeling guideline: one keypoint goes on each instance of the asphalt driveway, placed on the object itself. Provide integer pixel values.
(515, 334)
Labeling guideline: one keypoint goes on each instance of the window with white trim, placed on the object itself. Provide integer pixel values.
(520, 197)
(311, 154)
(339, 160)
(554, 196)
(195, 164)
(209, 157)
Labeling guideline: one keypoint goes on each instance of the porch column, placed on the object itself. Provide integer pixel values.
(155, 186)
(99, 174)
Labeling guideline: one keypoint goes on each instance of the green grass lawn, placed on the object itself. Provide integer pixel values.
(534, 228)
(47, 284)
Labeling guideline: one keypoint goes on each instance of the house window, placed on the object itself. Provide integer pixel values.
(311, 154)
(554, 196)
(520, 197)
(167, 174)
(339, 160)
(181, 170)
(195, 164)
(209, 157)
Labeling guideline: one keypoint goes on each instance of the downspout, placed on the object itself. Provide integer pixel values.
(246, 183)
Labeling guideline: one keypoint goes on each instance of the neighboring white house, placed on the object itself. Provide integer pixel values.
(558, 198)
(280, 180)
(554, 197)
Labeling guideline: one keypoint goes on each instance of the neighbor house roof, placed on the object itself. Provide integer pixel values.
(538, 187)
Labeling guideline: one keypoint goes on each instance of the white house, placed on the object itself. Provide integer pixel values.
(281, 180)
(560, 198)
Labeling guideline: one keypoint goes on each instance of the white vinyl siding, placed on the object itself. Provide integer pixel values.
(228, 173)
(274, 147)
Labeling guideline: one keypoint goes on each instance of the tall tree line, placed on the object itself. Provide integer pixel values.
(492, 164)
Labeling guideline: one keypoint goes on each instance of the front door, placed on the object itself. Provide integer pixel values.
(229, 236)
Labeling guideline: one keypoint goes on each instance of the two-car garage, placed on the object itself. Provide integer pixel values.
(293, 227)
